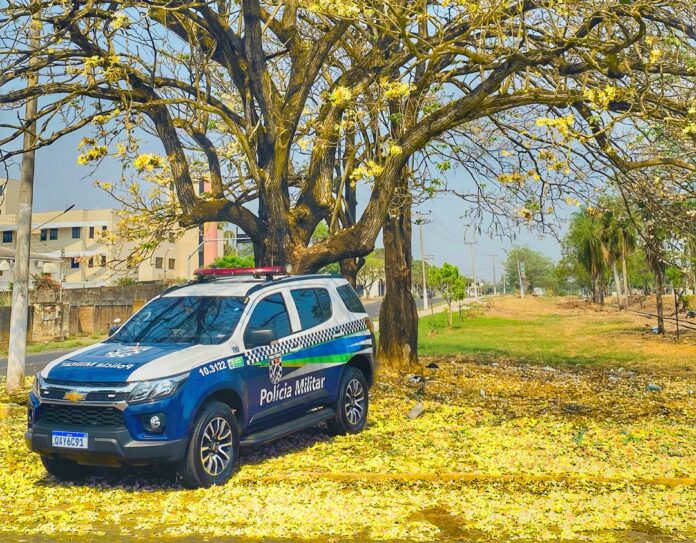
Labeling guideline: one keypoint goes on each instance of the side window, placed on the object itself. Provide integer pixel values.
(312, 306)
(350, 299)
(269, 314)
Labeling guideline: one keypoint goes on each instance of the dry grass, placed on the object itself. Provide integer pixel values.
(557, 331)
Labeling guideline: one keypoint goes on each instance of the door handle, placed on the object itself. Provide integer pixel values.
(295, 349)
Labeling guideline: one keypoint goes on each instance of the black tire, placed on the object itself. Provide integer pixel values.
(64, 469)
(352, 405)
(211, 454)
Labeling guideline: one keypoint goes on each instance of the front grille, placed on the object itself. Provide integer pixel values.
(79, 415)
(95, 396)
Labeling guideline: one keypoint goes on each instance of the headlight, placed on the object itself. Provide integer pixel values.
(147, 391)
(36, 386)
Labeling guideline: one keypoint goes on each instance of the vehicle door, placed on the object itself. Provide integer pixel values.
(268, 325)
(311, 364)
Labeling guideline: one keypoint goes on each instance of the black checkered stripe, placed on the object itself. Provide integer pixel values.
(284, 346)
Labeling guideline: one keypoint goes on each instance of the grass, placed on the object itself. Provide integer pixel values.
(63, 345)
(553, 332)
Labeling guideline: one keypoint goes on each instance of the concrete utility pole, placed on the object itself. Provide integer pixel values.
(421, 221)
(20, 290)
(495, 288)
(519, 274)
(473, 268)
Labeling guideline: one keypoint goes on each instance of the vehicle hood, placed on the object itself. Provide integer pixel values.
(110, 362)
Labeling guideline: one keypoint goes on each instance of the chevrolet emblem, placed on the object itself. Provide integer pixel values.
(74, 396)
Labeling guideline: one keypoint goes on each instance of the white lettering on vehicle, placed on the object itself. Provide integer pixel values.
(286, 391)
(103, 365)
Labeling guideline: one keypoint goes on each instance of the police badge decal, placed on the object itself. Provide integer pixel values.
(275, 369)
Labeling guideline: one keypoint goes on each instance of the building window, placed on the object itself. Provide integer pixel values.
(104, 228)
(7, 236)
(44, 234)
(91, 232)
(76, 232)
(172, 263)
(90, 262)
(53, 233)
(75, 263)
(102, 260)
(2, 273)
(159, 261)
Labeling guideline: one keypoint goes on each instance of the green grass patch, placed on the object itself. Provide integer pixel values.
(64, 345)
(546, 339)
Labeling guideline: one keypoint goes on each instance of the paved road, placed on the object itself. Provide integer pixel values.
(372, 306)
(36, 362)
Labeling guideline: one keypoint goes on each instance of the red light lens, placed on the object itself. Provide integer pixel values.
(267, 270)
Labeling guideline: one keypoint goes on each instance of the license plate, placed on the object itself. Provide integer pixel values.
(69, 440)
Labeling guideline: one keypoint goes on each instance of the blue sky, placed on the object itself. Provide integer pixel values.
(60, 182)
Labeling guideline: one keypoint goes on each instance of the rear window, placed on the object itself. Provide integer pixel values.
(350, 299)
(313, 306)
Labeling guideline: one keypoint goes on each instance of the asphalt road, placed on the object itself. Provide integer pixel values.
(37, 361)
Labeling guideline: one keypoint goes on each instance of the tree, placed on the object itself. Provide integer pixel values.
(538, 269)
(292, 105)
(585, 236)
(372, 271)
(450, 283)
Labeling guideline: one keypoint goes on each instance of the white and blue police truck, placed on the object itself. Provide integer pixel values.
(238, 357)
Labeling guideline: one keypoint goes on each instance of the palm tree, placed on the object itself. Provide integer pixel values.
(620, 239)
(611, 246)
(586, 235)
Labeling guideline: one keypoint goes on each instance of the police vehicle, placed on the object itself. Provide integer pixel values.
(238, 357)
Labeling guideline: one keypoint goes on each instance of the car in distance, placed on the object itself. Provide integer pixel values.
(238, 357)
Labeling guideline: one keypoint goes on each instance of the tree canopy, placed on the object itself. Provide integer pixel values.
(271, 115)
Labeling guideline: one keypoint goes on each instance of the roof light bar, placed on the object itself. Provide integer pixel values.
(268, 271)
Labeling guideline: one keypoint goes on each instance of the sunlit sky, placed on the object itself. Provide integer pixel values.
(60, 182)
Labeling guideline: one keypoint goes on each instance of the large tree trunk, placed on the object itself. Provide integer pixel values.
(398, 316)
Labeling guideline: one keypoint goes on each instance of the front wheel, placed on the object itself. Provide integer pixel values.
(352, 404)
(212, 451)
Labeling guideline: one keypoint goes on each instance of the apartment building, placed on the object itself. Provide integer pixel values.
(71, 247)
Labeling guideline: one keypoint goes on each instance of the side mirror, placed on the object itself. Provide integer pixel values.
(261, 338)
(115, 327)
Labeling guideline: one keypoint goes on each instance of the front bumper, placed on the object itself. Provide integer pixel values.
(112, 446)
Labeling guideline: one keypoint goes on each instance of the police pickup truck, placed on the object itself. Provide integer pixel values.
(238, 357)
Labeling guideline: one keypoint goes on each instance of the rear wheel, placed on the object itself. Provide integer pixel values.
(65, 470)
(212, 451)
(352, 404)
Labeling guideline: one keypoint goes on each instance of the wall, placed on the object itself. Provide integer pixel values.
(79, 311)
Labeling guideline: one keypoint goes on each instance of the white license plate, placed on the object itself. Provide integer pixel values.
(69, 440)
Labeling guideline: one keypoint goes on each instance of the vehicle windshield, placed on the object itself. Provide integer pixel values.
(206, 320)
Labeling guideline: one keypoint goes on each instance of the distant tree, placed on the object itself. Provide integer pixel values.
(232, 261)
(448, 281)
(372, 270)
(585, 237)
(538, 269)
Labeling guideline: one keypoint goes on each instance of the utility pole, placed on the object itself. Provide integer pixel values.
(473, 268)
(20, 290)
(519, 274)
(495, 287)
(421, 221)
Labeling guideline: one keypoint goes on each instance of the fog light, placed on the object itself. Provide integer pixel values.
(154, 423)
